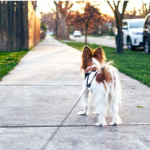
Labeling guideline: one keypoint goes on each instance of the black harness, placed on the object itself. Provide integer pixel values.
(87, 75)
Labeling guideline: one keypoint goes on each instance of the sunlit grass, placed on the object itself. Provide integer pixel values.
(54, 36)
(131, 63)
(8, 60)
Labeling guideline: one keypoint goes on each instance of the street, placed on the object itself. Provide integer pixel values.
(105, 40)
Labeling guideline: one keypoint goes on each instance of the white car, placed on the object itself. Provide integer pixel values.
(132, 32)
(77, 33)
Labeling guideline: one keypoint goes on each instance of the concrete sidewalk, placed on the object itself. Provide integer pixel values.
(37, 95)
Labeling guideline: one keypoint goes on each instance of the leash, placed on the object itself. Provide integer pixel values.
(52, 136)
(87, 75)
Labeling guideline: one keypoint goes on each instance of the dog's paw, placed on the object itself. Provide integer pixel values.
(101, 124)
(95, 113)
(115, 123)
(98, 124)
(82, 113)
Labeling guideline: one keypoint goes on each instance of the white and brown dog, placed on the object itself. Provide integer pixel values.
(105, 87)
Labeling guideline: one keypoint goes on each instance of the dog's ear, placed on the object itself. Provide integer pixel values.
(99, 50)
(86, 49)
(99, 54)
(86, 57)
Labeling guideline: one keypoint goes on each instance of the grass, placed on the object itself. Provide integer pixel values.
(54, 36)
(8, 60)
(131, 63)
(95, 35)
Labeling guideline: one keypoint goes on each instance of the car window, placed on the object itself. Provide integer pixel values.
(137, 24)
(124, 25)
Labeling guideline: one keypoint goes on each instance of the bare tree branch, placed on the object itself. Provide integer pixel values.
(124, 8)
(117, 11)
(55, 3)
(115, 5)
(111, 6)
(51, 8)
(68, 5)
(118, 3)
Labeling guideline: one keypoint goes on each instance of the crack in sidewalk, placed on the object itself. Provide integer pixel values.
(39, 85)
(65, 126)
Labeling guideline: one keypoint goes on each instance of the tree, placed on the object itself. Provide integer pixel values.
(43, 26)
(61, 15)
(144, 9)
(119, 17)
(49, 20)
(131, 14)
(88, 18)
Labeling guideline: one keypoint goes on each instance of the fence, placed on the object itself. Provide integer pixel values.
(19, 25)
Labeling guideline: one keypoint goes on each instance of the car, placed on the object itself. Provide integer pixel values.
(77, 33)
(132, 32)
(146, 34)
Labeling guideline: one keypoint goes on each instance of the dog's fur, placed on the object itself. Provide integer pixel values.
(105, 87)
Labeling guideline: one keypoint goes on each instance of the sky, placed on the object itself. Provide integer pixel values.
(43, 6)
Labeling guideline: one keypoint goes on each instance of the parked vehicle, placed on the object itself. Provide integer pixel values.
(146, 34)
(132, 32)
(77, 33)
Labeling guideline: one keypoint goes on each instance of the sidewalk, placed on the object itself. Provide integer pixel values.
(37, 95)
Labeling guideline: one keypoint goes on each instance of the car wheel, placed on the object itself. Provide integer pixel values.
(146, 46)
(129, 44)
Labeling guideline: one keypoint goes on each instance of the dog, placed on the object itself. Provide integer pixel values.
(105, 86)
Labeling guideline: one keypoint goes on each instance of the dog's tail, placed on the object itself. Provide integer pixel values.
(104, 74)
(116, 89)
(109, 74)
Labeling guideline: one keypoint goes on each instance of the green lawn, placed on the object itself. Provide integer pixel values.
(8, 60)
(132, 63)
(95, 35)
(54, 36)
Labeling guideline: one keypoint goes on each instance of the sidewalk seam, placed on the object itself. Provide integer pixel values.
(65, 126)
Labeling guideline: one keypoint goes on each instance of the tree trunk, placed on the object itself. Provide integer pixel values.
(119, 18)
(56, 13)
(86, 29)
(62, 31)
(119, 37)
